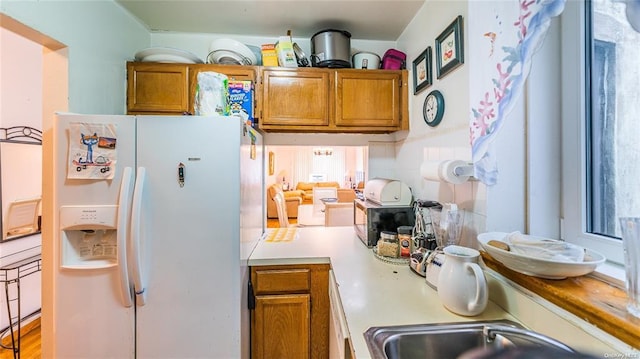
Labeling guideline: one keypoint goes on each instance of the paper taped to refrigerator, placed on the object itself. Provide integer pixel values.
(92, 151)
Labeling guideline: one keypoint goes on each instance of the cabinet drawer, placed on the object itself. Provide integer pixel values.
(281, 280)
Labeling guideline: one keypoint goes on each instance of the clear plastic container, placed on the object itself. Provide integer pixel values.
(388, 244)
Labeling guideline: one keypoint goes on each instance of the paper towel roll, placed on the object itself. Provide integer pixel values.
(430, 170)
(443, 171)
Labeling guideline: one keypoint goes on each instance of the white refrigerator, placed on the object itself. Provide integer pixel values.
(156, 217)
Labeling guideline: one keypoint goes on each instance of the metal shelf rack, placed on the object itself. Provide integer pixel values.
(10, 274)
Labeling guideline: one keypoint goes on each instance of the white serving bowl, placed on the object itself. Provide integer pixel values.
(167, 55)
(537, 267)
(228, 51)
(258, 54)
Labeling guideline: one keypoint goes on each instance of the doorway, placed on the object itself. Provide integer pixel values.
(26, 52)
(297, 169)
(290, 165)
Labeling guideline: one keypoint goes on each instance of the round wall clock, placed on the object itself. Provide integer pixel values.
(433, 109)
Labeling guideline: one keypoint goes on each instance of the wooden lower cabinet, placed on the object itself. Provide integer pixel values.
(290, 318)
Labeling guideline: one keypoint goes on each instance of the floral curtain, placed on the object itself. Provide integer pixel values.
(516, 31)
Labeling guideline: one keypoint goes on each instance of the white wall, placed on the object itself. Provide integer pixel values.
(20, 105)
(20, 91)
(100, 36)
(450, 139)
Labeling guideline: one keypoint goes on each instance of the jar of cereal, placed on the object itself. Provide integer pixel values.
(388, 244)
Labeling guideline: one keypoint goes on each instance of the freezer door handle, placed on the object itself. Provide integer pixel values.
(121, 236)
(137, 240)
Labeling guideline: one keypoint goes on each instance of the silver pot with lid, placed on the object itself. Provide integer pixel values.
(331, 48)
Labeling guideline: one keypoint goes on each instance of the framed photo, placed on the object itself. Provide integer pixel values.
(450, 48)
(422, 74)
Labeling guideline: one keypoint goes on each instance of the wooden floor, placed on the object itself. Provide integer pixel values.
(273, 222)
(29, 345)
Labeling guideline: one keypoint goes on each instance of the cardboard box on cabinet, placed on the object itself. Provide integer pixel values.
(241, 100)
(286, 55)
(269, 55)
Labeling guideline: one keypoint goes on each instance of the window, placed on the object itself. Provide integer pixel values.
(601, 168)
(601, 102)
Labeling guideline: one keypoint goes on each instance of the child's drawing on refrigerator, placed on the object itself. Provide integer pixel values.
(92, 151)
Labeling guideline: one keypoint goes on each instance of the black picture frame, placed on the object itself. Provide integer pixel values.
(450, 48)
(422, 73)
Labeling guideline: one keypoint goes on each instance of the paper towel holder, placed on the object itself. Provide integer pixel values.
(451, 171)
(464, 170)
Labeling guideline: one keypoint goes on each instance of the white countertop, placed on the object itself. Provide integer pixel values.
(373, 293)
(307, 216)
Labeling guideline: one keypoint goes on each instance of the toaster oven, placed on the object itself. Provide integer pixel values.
(371, 218)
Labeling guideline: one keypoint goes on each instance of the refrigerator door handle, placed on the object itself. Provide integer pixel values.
(121, 236)
(137, 274)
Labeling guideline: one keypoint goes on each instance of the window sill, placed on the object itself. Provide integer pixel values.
(589, 297)
(610, 272)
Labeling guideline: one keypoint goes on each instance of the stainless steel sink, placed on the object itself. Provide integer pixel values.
(450, 340)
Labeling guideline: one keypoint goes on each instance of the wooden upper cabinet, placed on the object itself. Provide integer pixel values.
(309, 99)
(295, 98)
(157, 88)
(169, 89)
(334, 100)
(368, 98)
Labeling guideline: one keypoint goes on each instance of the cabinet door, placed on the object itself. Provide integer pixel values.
(295, 98)
(154, 88)
(368, 98)
(281, 326)
(233, 72)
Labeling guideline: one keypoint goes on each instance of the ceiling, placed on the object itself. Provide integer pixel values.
(382, 20)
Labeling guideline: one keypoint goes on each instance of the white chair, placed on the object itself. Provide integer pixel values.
(283, 218)
(323, 192)
(281, 208)
(22, 218)
(338, 214)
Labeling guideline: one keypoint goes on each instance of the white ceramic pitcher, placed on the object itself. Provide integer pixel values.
(462, 287)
